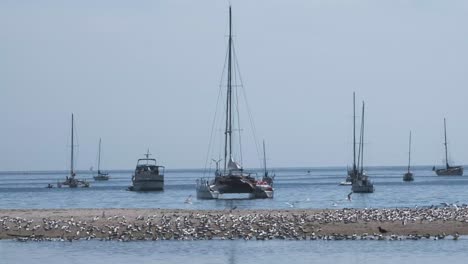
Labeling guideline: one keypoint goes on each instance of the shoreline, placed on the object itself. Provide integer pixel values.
(129, 224)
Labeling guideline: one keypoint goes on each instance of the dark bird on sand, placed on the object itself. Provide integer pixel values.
(383, 231)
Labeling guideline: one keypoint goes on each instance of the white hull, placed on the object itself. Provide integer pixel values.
(155, 183)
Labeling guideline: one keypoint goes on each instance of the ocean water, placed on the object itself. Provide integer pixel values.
(293, 187)
(236, 251)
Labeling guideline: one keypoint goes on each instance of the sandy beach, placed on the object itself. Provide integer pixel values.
(158, 224)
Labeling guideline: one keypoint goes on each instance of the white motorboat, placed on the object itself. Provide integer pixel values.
(148, 175)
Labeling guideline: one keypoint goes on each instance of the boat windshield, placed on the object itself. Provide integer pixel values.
(145, 162)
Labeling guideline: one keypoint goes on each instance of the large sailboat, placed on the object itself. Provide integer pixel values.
(360, 182)
(232, 181)
(70, 180)
(101, 176)
(448, 170)
(408, 176)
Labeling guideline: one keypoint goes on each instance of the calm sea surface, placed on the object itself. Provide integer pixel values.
(237, 251)
(297, 187)
(293, 186)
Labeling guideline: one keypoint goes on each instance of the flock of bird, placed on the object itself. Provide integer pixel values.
(229, 224)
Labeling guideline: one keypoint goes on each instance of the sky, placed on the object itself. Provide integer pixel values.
(146, 74)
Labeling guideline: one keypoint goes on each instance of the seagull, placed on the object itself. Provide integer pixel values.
(290, 204)
(383, 231)
(188, 200)
(334, 204)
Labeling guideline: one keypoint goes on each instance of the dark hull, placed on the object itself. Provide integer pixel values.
(451, 171)
(101, 178)
(408, 177)
(234, 184)
(145, 186)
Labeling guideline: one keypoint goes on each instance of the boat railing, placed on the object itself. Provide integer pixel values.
(202, 181)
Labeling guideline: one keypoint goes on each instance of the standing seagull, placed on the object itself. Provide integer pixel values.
(383, 231)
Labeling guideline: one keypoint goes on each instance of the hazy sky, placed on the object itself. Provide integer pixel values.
(144, 74)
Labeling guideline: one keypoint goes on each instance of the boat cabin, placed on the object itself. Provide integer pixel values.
(149, 166)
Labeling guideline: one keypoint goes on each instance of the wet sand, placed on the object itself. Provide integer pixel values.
(160, 224)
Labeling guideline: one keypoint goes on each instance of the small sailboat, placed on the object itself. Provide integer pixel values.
(448, 170)
(232, 182)
(360, 182)
(70, 180)
(408, 176)
(100, 175)
(267, 178)
(148, 175)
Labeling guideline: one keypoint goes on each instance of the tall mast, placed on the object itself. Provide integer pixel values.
(264, 159)
(72, 174)
(228, 131)
(445, 144)
(362, 139)
(409, 152)
(354, 132)
(99, 158)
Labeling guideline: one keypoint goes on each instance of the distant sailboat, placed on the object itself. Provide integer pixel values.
(448, 170)
(360, 181)
(268, 179)
(100, 175)
(408, 176)
(70, 180)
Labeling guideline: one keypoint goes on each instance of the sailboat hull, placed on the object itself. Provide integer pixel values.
(451, 171)
(408, 177)
(362, 184)
(101, 177)
(229, 188)
(356, 188)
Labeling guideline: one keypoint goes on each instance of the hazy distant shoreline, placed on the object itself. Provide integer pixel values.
(162, 224)
(277, 169)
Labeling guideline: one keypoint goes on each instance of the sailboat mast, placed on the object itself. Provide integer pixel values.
(362, 139)
(228, 131)
(99, 158)
(264, 159)
(409, 152)
(72, 145)
(354, 132)
(445, 144)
